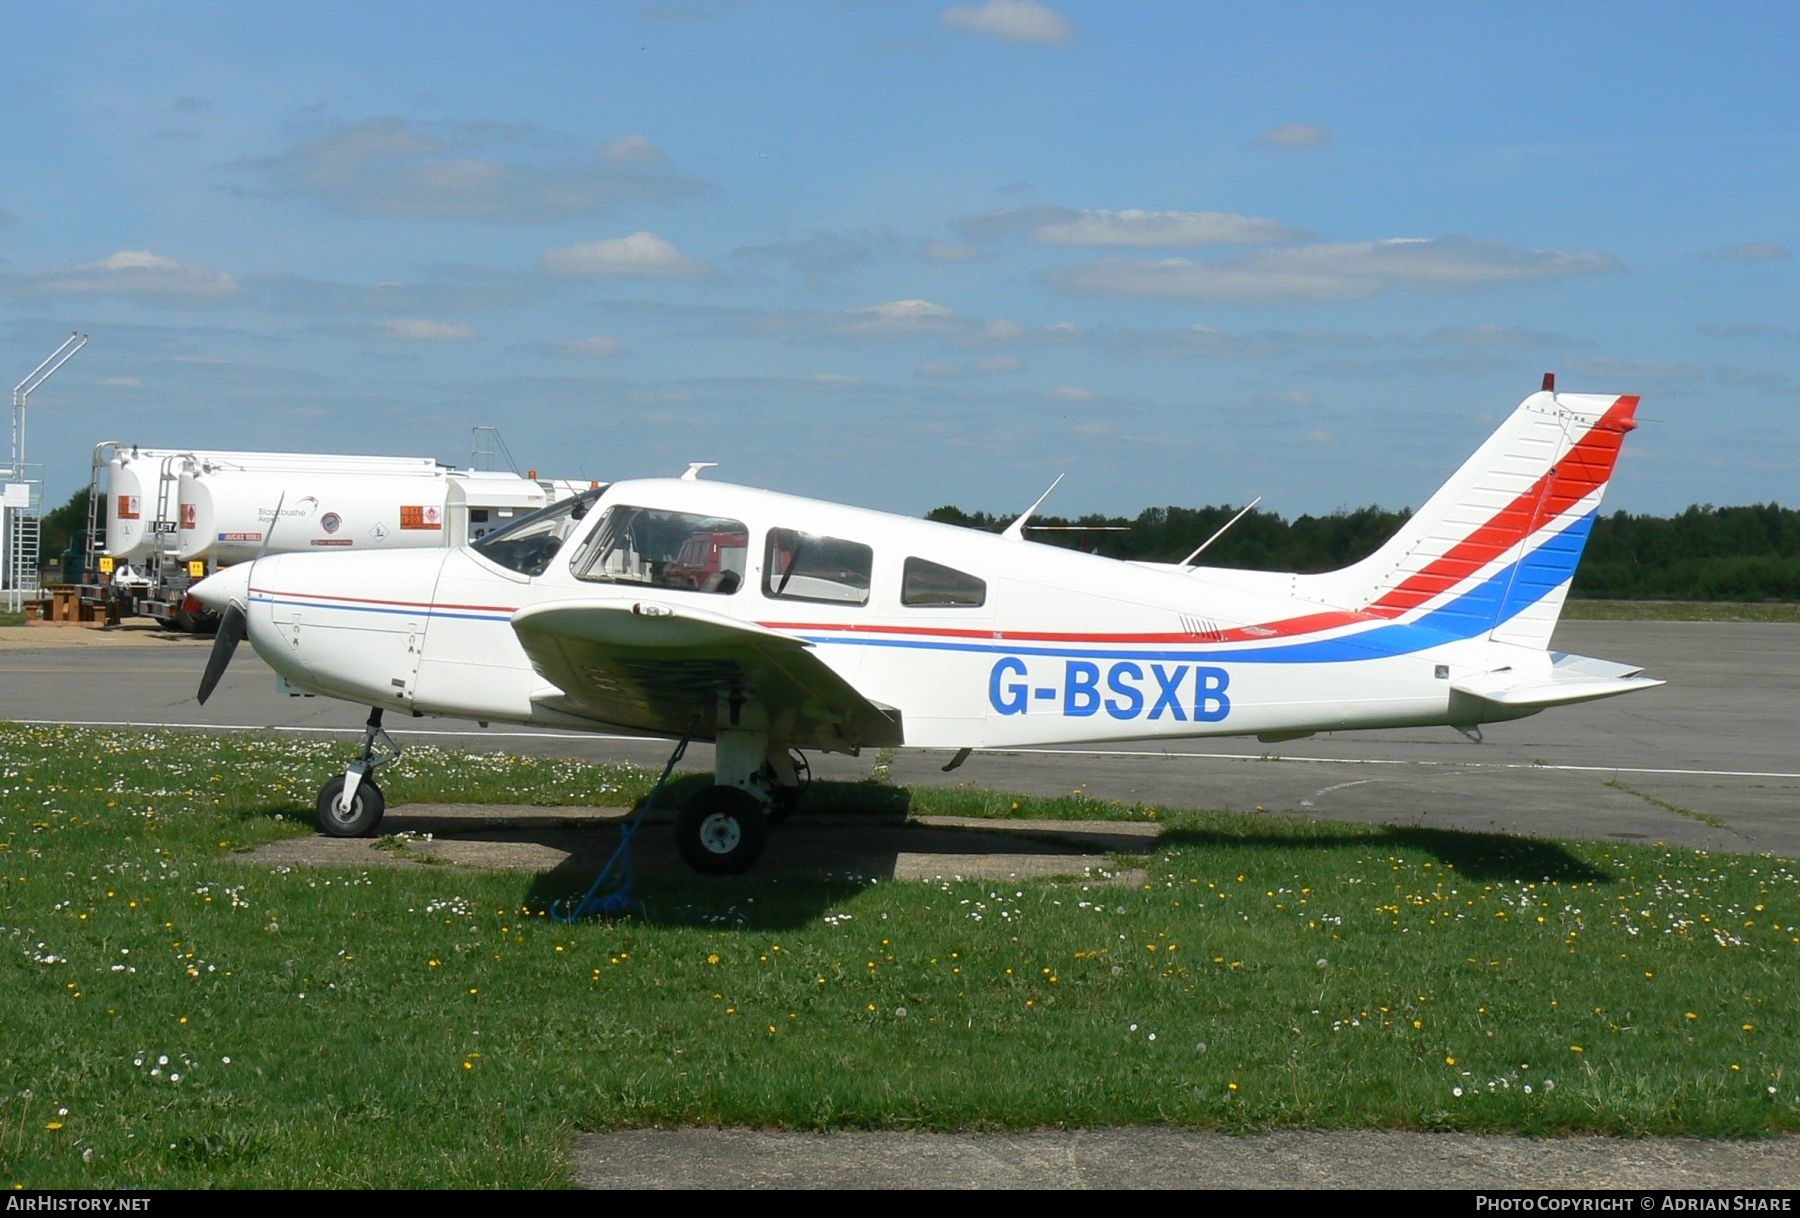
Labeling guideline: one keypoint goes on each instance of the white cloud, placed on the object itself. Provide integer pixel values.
(1129, 227)
(1608, 371)
(1756, 251)
(1508, 337)
(592, 348)
(822, 253)
(1012, 20)
(632, 150)
(899, 317)
(1198, 340)
(131, 273)
(424, 330)
(642, 255)
(1347, 271)
(943, 251)
(1161, 229)
(1073, 393)
(992, 366)
(1295, 135)
(474, 171)
(454, 290)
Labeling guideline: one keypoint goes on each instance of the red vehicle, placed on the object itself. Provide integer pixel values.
(706, 560)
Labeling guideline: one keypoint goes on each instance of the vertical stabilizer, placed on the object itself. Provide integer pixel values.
(1493, 551)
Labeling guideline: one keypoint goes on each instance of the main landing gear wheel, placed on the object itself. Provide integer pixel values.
(363, 815)
(722, 831)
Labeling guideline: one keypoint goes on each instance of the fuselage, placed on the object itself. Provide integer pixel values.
(977, 640)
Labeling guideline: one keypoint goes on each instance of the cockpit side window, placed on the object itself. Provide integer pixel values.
(682, 550)
(807, 567)
(926, 583)
(528, 545)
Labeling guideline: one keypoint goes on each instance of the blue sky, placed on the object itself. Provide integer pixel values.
(907, 254)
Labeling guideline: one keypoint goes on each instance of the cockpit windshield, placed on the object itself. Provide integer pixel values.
(528, 545)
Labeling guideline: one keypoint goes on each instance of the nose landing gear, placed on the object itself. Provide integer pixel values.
(351, 805)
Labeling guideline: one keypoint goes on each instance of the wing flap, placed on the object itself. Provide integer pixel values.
(659, 668)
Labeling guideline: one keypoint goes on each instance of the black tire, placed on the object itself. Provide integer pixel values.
(722, 831)
(365, 810)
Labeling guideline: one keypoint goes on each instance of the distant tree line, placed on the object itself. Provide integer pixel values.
(1704, 553)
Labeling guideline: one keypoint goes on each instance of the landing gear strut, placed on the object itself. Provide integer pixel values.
(351, 805)
(724, 828)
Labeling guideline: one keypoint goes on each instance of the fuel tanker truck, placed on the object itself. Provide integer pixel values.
(172, 518)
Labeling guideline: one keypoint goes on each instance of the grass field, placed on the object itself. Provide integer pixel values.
(178, 1016)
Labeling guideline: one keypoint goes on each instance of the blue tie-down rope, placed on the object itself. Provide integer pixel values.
(617, 875)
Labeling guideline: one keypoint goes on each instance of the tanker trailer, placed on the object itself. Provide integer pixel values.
(230, 515)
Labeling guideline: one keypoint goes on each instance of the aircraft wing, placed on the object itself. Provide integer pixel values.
(655, 667)
(1572, 678)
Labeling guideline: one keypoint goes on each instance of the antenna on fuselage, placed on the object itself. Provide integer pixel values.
(1016, 530)
(694, 468)
(1196, 554)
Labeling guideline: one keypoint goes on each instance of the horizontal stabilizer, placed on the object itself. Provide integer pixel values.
(1572, 678)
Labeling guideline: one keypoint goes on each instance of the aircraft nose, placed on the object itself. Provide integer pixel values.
(222, 588)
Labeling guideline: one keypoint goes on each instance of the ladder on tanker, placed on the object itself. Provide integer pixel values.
(22, 534)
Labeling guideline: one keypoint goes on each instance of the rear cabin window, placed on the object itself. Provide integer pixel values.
(635, 545)
(807, 567)
(926, 583)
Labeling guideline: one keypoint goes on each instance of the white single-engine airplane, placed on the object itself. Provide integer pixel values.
(771, 624)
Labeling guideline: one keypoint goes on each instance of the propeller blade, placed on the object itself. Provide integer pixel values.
(232, 628)
(233, 624)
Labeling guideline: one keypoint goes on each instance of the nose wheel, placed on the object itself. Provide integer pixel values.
(359, 817)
